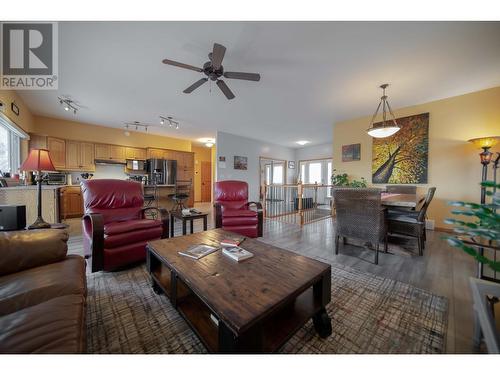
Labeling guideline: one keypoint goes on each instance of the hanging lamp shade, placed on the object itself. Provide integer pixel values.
(388, 126)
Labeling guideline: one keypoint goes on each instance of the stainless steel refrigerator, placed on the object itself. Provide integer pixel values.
(161, 171)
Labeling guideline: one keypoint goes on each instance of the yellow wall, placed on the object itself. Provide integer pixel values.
(200, 154)
(93, 133)
(25, 119)
(454, 167)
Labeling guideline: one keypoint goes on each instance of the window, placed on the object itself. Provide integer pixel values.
(9, 145)
(315, 173)
(329, 178)
(275, 173)
(278, 174)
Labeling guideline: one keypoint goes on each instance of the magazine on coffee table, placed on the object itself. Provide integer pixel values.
(236, 253)
(198, 251)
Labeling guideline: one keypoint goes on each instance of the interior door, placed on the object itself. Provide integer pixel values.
(206, 181)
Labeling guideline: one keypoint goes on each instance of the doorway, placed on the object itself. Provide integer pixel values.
(272, 171)
(206, 181)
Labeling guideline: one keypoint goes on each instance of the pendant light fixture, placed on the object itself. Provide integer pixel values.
(388, 126)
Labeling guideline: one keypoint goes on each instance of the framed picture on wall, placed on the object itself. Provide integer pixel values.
(351, 152)
(291, 165)
(241, 162)
(403, 157)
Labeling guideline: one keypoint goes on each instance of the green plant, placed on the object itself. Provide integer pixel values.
(343, 180)
(483, 232)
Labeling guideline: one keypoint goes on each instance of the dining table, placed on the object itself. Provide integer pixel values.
(410, 201)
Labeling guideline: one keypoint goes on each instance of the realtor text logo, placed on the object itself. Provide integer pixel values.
(28, 56)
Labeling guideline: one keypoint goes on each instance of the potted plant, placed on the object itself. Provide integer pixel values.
(480, 232)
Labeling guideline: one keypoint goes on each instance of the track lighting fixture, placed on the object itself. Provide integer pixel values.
(170, 120)
(68, 104)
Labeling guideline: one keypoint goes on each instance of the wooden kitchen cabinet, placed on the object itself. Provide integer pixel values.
(110, 152)
(155, 153)
(135, 153)
(57, 150)
(70, 202)
(117, 153)
(79, 156)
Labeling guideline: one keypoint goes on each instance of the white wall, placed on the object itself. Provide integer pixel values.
(323, 151)
(230, 145)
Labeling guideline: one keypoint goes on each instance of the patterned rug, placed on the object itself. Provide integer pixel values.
(370, 314)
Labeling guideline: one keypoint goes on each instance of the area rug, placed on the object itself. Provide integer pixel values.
(370, 314)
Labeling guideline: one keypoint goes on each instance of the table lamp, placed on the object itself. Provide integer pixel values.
(37, 161)
(485, 143)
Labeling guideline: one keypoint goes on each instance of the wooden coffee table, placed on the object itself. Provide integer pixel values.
(253, 306)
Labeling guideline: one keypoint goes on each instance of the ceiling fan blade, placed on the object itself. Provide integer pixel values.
(223, 87)
(195, 85)
(181, 65)
(241, 75)
(217, 55)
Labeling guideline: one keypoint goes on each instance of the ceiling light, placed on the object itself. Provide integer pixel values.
(162, 121)
(68, 104)
(302, 143)
(209, 144)
(387, 127)
(177, 126)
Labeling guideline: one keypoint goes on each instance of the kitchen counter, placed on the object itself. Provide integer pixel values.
(28, 196)
(32, 187)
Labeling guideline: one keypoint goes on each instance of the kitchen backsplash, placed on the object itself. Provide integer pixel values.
(102, 171)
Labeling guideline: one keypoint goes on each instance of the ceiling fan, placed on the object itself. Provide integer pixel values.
(214, 70)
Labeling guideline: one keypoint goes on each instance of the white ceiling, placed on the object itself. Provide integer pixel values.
(313, 73)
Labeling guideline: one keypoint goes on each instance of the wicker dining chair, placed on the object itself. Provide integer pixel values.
(360, 215)
(412, 223)
(401, 189)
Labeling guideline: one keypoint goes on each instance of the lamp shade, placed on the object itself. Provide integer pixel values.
(485, 142)
(38, 160)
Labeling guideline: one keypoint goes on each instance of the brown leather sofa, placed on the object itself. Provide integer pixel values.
(42, 294)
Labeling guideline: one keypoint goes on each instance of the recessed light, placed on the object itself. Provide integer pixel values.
(302, 143)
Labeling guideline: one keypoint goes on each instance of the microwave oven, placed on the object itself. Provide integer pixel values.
(136, 165)
(56, 179)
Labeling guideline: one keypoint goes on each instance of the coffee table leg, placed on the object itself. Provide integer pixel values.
(172, 219)
(204, 223)
(191, 226)
(322, 323)
(156, 288)
(183, 227)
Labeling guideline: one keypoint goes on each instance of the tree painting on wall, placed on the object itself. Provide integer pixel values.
(403, 157)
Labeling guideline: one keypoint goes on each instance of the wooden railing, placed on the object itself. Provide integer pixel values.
(297, 203)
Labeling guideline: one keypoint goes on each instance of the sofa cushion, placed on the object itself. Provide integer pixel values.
(118, 227)
(143, 235)
(36, 285)
(20, 250)
(121, 256)
(241, 220)
(54, 326)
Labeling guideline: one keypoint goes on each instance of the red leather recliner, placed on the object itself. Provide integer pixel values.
(115, 229)
(232, 209)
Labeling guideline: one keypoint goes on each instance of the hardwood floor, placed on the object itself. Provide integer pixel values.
(442, 269)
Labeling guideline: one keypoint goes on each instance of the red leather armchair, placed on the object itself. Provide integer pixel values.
(115, 228)
(232, 209)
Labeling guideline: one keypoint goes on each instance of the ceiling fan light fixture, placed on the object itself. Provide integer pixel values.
(388, 126)
(302, 143)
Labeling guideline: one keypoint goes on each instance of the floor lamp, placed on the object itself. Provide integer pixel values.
(485, 143)
(37, 161)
